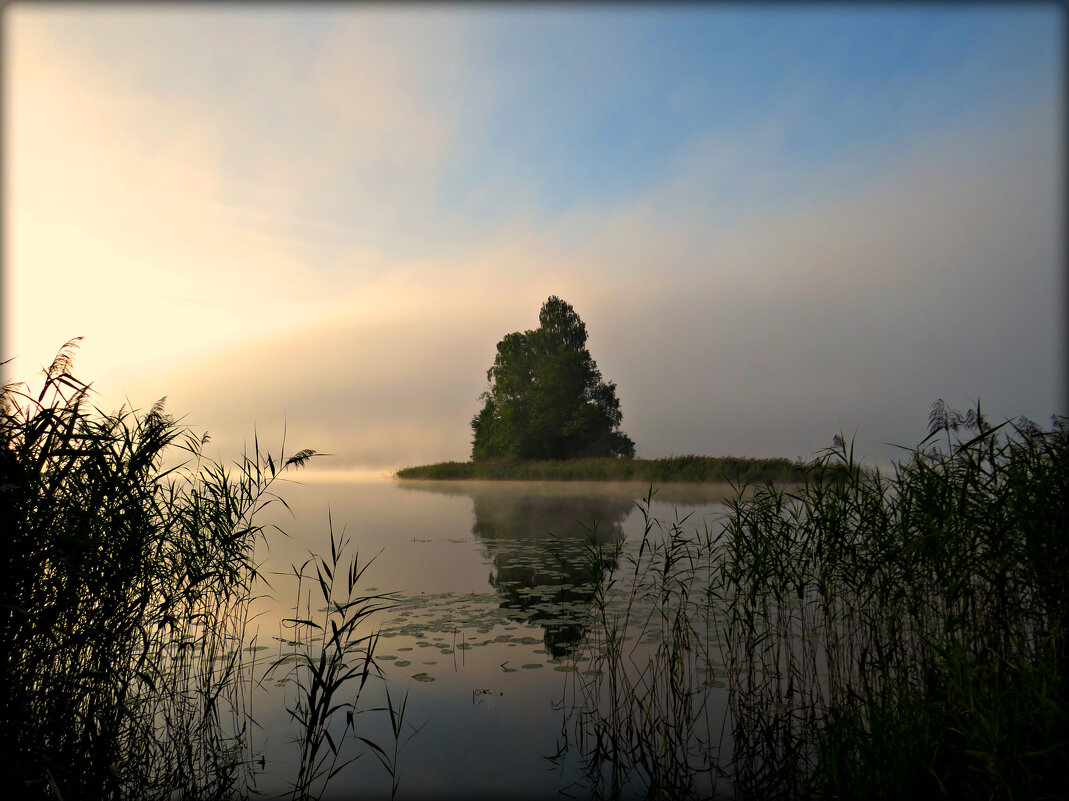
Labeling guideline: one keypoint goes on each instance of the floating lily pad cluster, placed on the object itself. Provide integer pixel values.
(446, 624)
(538, 588)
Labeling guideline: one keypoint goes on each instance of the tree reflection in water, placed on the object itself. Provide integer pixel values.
(534, 535)
(550, 585)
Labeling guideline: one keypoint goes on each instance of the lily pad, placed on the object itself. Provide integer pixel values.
(423, 677)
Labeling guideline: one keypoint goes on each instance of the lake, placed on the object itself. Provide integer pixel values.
(488, 636)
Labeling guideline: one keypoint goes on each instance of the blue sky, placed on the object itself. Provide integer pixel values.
(777, 221)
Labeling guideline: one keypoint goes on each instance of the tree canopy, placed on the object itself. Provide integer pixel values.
(547, 399)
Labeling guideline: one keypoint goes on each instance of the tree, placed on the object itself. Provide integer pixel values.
(546, 398)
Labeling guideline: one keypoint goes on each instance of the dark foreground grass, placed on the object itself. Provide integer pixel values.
(906, 636)
(124, 601)
(689, 469)
(878, 637)
(124, 607)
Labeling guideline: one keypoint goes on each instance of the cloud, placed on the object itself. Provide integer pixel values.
(850, 312)
(762, 338)
(115, 226)
(276, 247)
(849, 308)
(163, 216)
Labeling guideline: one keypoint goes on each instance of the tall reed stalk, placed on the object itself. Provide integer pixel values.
(124, 600)
(331, 659)
(639, 714)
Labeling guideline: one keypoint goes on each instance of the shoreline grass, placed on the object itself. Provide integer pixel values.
(872, 635)
(673, 469)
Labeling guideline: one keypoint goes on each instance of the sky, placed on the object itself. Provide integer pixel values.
(779, 223)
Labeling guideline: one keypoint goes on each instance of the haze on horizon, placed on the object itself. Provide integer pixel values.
(777, 222)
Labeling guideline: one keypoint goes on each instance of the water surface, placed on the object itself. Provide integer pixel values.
(491, 592)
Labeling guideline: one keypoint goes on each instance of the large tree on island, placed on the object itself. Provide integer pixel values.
(546, 398)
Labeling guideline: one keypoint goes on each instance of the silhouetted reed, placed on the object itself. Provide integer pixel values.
(330, 659)
(125, 603)
(906, 637)
(639, 712)
(671, 469)
(888, 637)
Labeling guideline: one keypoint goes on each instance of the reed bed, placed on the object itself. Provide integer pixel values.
(126, 671)
(896, 636)
(905, 637)
(639, 711)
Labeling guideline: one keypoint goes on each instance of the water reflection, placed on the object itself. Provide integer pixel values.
(535, 537)
(456, 630)
(551, 586)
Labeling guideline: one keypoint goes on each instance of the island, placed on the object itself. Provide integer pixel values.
(672, 469)
(548, 415)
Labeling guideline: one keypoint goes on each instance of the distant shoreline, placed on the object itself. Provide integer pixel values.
(673, 469)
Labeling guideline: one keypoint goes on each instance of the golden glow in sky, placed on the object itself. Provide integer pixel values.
(331, 215)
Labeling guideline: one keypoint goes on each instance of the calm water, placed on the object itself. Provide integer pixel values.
(491, 600)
